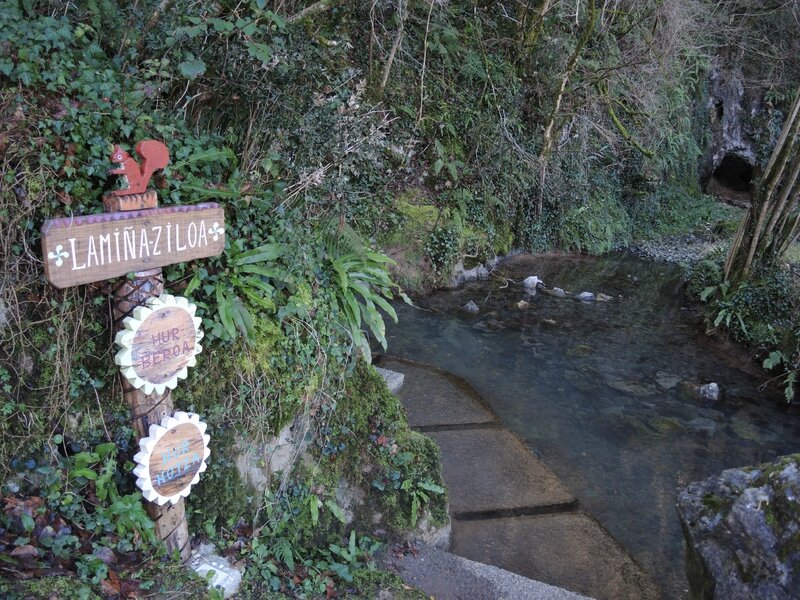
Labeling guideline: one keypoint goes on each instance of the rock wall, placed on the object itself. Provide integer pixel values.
(730, 157)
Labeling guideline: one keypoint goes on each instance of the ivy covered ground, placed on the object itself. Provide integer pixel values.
(356, 147)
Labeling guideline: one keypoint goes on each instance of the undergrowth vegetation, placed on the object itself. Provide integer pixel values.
(438, 132)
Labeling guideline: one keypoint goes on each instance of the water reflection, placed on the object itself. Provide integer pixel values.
(598, 389)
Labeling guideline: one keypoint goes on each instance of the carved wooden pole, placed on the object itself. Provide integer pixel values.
(170, 520)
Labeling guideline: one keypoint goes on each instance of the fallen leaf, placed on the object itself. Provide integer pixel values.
(26, 551)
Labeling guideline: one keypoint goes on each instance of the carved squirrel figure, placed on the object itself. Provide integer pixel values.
(154, 155)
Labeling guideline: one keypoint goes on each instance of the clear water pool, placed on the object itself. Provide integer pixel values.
(595, 389)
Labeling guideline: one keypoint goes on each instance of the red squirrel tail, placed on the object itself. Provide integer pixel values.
(155, 155)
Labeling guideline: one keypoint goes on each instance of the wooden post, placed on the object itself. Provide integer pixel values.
(170, 520)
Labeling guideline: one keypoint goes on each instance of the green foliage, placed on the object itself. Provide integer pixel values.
(442, 248)
(753, 311)
(598, 226)
(85, 522)
(361, 285)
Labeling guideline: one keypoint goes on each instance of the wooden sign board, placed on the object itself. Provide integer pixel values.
(171, 458)
(159, 343)
(91, 248)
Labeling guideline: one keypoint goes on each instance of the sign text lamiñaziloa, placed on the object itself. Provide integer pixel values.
(95, 247)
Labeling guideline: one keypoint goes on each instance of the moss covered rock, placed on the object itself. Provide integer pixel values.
(742, 531)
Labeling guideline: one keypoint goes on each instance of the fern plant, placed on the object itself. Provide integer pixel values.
(360, 286)
(244, 284)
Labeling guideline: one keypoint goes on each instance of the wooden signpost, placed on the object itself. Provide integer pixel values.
(134, 235)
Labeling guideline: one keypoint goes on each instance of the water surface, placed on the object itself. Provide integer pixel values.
(595, 389)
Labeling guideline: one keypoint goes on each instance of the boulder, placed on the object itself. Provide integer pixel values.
(709, 392)
(585, 297)
(460, 275)
(216, 570)
(742, 532)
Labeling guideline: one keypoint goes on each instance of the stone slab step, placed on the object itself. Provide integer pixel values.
(433, 397)
(394, 380)
(445, 576)
(569, 550)
(490, 471)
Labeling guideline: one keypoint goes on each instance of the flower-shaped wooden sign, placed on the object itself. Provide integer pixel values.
(159, 343)
(171, 458)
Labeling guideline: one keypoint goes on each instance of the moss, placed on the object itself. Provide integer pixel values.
(366, 395)
(376, 419)
(221, 499)
(254, 379)
(715, 504)
(789, 547)
(375, 584)
(50, 587)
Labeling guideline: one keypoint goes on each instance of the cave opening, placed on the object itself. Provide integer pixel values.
(733, 174)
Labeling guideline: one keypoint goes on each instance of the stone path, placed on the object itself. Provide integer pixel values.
(508, 509)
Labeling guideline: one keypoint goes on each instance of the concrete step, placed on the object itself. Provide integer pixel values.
(490, 472)
(569, 550)
(433, 397)
(445, 576)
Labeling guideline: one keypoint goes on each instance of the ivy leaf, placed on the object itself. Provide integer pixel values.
(221, 25)
(83, 472)
(27, 522)
(104, 450)
(192, 68)
(259, 51)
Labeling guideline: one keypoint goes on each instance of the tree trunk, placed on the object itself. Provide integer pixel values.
(547, 140)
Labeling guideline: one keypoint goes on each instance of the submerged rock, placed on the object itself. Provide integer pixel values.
(585, 297)
(522, 304)
(556, 292)
(742, 531)
(489, 325)
(579, 350)
(709, 392)
(604, 298)
(532, 282)
(460, 275)
(703, 425)
(471, 308)
(667, 381)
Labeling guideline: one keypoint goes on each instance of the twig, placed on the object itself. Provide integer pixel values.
(397, 40)
(312, 10)
(424, 62)
(102, 416)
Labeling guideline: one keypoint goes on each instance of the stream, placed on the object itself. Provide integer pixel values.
(596, 389)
